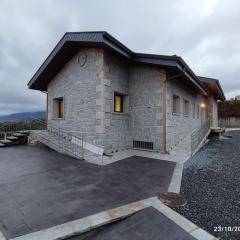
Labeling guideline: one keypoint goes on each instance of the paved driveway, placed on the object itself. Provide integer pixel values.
(40, 188)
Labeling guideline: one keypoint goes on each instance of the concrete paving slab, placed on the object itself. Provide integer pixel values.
(40, 188)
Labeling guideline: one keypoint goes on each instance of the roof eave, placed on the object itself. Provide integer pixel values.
(214, 82)
(103, 39)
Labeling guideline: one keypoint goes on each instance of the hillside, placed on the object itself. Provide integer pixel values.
(23, 116)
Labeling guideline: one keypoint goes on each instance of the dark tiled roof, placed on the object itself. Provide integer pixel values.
(72, 41)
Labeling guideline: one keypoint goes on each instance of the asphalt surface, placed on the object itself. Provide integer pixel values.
(211, 184)
(40, 188)
(148, 224)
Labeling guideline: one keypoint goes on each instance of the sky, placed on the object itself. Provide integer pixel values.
(206, 34)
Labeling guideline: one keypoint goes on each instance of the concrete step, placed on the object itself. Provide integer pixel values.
(26, 132)
(5, 141)
(19, 135)
(12, 138)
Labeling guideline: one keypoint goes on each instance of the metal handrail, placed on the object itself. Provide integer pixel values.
(3, 126)
(63, 140)
(60, 138)
(198, 135)
(22, 125)
(81, 154)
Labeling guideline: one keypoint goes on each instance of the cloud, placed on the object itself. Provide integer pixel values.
(205, 33)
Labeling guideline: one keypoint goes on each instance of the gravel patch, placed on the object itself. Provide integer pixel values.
(211, 185)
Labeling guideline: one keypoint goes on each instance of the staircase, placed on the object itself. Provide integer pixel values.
(36, 131)
(13, 138)
(67, 143)
(16, 133)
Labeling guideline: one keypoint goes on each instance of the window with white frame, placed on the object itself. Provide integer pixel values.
(176, 104)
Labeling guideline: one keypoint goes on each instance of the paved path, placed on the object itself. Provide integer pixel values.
(211, 183)
(40, 188)
(148, 224)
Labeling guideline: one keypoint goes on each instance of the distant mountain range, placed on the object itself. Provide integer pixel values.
(23, 116)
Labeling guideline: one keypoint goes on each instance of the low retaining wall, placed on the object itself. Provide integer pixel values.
(231, 122)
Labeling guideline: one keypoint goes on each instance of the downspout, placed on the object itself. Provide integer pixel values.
(165, 117)
(165, 151)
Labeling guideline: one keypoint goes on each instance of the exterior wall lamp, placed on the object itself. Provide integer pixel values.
(202, 105)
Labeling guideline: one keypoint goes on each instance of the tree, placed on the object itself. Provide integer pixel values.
(229, 108)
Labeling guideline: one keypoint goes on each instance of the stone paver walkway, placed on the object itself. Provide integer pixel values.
(162, 222)
(147, 224)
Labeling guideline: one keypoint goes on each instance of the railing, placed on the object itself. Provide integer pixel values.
(23, 125)
(7, 128)
(51, 136)
(60, 139)
(198, 135)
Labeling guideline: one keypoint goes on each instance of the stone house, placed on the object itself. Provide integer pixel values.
(121, 99)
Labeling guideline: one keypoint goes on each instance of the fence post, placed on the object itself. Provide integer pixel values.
(82, 147)
(59, 136)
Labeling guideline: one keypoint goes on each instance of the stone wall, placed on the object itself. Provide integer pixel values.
(116, 79)
(145, 91)
(213, 111)
(178, 125)
(77, 85)
(141, 119)
(231, 122)
(88, 93)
